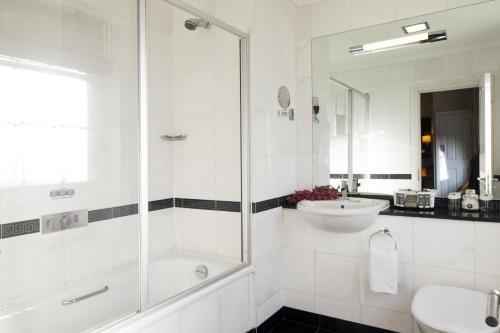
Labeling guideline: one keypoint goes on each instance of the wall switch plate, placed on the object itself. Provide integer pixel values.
(63, 221)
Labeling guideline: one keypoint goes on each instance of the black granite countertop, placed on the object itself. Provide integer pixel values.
(444, 213)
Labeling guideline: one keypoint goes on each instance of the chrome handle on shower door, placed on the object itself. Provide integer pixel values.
(81, 298)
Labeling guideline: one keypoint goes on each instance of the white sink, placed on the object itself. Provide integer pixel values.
(342, 215)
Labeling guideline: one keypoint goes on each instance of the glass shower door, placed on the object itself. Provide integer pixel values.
(195, 218)
(68, 177)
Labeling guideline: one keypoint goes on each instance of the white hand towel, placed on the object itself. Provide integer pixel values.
(384, 270)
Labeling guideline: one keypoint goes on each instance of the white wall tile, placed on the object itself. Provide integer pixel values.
(347, 244)
(298, 234)
(338, 277)
(228, 233)
(26, 257)
(390, 320)
(487, 247)
(365, 13)
(486, 282)
(337, 308)
(88, 250)
(268, 308)
(424, 275)
(298, 300)
(444, 243)
(268, 277)
(298, 270)
(199, 230)
(268, 232)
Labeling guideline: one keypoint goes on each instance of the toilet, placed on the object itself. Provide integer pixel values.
(443, 309)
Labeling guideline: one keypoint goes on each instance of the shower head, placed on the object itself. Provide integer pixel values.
(193, 23)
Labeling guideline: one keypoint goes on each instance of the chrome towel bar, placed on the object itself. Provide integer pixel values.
(81, 298)
(382, 232)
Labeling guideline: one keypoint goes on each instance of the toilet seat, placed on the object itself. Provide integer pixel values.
(451, 309)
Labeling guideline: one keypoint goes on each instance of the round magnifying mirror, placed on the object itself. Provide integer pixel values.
(284, 97)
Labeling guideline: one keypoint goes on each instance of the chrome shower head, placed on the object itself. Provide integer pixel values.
(194, 23)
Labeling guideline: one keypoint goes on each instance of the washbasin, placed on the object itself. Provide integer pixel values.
(342, 215)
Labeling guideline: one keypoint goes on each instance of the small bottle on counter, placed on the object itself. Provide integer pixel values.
(454, 201)
(486, 202)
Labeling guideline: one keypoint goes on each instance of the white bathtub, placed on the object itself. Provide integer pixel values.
(169, 275)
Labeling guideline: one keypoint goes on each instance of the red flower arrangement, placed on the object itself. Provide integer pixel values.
(318, 193)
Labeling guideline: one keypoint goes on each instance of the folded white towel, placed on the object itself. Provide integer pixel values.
(384, 270)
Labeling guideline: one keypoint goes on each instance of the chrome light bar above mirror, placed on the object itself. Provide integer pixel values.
(391, 44)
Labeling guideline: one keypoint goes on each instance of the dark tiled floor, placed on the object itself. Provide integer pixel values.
(286, 326)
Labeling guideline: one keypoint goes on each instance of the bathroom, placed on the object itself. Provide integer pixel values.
(154, 190)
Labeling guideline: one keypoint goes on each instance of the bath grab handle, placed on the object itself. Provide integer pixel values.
(81, 298)
(492, 308)
(383, 232)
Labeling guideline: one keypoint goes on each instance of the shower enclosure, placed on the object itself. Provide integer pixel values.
(123, 183)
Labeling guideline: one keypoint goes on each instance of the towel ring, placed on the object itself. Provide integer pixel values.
(383, 232)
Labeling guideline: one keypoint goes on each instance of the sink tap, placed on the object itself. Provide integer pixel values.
(492, 308)
(355, 184)
(343, 189)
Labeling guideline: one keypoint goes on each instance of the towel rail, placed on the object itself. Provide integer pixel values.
(382, 232)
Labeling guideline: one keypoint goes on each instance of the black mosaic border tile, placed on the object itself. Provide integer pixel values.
(312, 322)
(262, 206)
(228, 206)
(100, 215)
(20, 228)
(160, 204)
(219, 205)
(378, 176)
(391, 176)
(125, 210)
(345, 176)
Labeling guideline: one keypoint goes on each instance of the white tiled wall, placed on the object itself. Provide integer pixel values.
(327, 272)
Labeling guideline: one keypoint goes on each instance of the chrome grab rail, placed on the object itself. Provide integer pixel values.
(81, 298)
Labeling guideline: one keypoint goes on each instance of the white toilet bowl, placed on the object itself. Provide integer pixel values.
(442, 309)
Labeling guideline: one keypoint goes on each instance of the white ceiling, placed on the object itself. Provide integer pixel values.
(302, 3)
(471, 27)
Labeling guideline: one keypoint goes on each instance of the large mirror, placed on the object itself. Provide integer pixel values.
(409, 104)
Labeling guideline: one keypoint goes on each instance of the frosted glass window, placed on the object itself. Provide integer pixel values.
(43, 125)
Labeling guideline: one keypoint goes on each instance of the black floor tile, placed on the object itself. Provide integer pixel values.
(292, 327)
(300, 316)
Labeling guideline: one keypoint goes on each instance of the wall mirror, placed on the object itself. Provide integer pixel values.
(410, 104)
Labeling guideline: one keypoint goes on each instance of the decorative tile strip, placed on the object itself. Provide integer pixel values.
(262, 206)
(20, 228)
(100, 214)
(161, 204)
(126, 210)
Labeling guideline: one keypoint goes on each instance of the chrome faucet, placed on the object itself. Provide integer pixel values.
(343, 189)
(492, 308)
